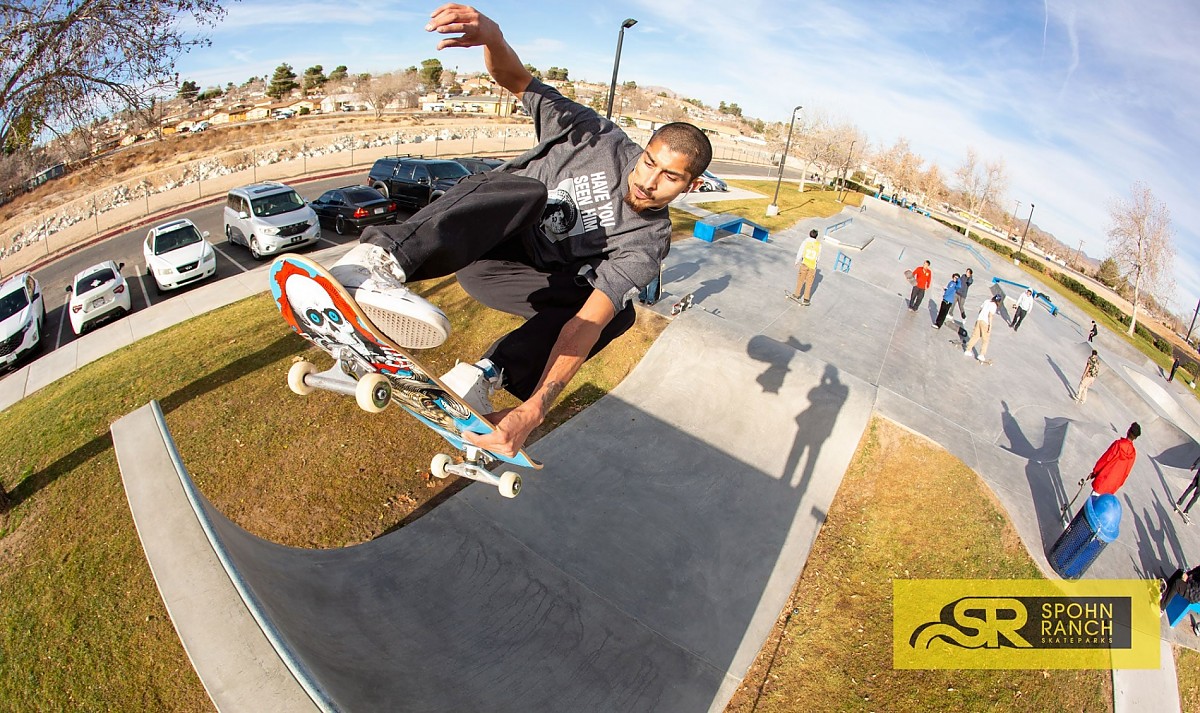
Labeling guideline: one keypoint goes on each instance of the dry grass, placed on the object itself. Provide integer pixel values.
(906, 509)
(1187, 669)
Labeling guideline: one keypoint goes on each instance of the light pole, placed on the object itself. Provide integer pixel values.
(1027, 221)
(612, 87)
(773, 209)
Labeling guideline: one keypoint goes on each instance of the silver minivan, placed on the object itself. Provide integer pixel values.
(268, 218)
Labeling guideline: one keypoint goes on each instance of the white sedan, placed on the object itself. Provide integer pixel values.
(97, 294)
(177, 253)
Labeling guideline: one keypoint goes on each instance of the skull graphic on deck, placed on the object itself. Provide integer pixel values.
(318, 315)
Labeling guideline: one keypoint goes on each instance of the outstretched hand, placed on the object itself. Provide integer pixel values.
(475, 27)
(512, 429)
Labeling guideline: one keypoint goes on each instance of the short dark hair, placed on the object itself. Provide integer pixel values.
(688, 140)
(812, 233)
(1134, 431)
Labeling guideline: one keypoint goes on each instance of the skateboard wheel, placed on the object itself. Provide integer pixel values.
(438, 466)
(296, 375)
(510, 484)
(373, 393)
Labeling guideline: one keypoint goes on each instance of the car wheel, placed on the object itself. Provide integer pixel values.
(382, 188)
(339, 226)
(254, 252)
(705, 188)
(158, 290)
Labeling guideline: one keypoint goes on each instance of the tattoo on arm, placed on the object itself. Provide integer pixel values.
(551, 392)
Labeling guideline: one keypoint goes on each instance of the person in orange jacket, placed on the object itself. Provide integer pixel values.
(1110, 472)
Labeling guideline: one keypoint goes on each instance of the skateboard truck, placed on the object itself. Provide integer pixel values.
(373, 392)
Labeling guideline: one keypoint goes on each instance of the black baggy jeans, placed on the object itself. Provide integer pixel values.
(483, 231)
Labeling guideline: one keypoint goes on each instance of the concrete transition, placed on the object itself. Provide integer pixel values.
(643, 569)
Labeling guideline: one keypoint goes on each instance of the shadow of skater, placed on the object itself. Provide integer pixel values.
(1062, 377)
(1041, 470)
(778, 355)
(814, 425)
(710, 287)
(679, 271)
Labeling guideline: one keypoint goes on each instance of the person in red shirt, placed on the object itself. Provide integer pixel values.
(923, 278)
(1110, 472)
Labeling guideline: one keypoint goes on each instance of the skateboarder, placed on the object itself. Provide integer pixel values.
(1090, 371)
(1093, 331)
(960, 297)
(1194, 489)
(1185, 584)
(1110, 472)
(806, 260)
(573, 281)
(1024, 304)
(982, 332)
(947, 301)
(923, 277)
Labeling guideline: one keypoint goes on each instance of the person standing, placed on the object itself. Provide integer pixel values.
(1094, 331)
(1110, 472)
(1090, 371)
(806, 260)
(960, 297)
(1024, 304)
(1174, 368)
(947, 301)
(982, 333)
(923, 277)
(1194, 489)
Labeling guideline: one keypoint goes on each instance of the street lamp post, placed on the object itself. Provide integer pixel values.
(612, 87)
(773, 209)
(1027, 221)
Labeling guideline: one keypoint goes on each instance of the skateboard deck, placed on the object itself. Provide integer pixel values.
(794, 298)
(683, 303)
(912, 280)
(377, 371)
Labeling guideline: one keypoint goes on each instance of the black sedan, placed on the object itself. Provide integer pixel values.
(474, 164)
(353, 208)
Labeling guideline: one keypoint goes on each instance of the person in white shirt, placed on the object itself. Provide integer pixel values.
(806, 260)
(1024, 304)
(983, 327)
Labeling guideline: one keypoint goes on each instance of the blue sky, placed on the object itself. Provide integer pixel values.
(1079, 98)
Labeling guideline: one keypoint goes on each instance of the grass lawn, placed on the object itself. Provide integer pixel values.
(794, 206)
(832, 646)
(82, 626)
(1187, 669)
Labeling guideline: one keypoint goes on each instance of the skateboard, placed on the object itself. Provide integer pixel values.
(794, 298)
(1066, 508)
(377, 372)
(683, 303)
(912, 280)
(1184, 515)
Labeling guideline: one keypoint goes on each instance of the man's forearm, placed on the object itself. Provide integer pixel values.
(505, 66)
(570, 351)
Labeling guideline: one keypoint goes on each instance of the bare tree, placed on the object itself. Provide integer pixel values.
(981, 183)
(383, 89)
(1139, 241)
(901, 166)
(64, 62)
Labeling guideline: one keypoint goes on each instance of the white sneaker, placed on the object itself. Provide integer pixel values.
(376, 281)
(966, 352)
(980, 357)
(473, 384)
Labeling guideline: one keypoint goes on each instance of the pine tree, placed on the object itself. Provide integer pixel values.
(282, 82)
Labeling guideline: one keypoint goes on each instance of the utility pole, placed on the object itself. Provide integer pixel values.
(1021, 249)
(1075, 260)
(1189, 334)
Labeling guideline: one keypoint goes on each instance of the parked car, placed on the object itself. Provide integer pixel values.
(353, 208)
(98, 294)
(200, 126)
(415, 182)
(475, 164)
(177, 254)
(269, 217)
(22, 314)
(709, 182)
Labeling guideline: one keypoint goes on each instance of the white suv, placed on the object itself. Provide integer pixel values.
(22, 314)
(268, 218)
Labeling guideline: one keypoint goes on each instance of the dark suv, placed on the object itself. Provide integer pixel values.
(415, 181)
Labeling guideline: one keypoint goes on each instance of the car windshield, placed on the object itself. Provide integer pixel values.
(174, 239)
(362, 196)
(447, 170)
(12, 303)
(276, 204)
(94, 279)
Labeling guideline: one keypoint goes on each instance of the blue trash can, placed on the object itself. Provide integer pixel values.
(1096, 524)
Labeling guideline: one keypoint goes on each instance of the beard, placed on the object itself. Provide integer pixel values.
(638, 205)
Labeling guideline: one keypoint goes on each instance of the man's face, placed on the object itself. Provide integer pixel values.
(659, 175)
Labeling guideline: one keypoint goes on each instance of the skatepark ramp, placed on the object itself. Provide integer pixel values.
(642, 569)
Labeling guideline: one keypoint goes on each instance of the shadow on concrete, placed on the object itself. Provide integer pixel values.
(815, 424)
(777, 355)
(1062, 377)
(1046, 487)
(1159, 549)
(679, 271)
(710, 287)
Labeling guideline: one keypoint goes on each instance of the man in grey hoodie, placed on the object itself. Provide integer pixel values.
(960, 297)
